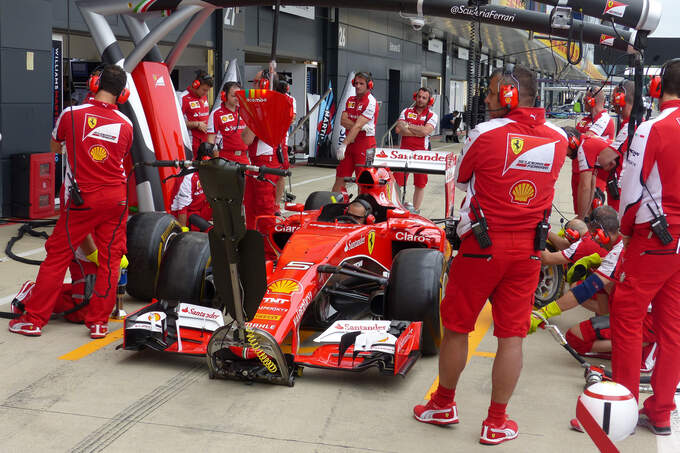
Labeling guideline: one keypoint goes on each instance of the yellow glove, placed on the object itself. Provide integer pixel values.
(562, 233)
(550, 310)
(93, 257)
(579, 270)
(185, 229)
(124, 263)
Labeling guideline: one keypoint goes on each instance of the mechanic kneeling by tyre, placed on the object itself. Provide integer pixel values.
(508, 168)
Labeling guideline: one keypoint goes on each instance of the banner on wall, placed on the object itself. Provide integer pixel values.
(57, 76)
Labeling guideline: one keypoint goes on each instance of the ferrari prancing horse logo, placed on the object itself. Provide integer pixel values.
(517, 145)
(371, 242)
(92, 122)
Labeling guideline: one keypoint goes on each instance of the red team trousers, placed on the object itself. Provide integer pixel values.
(510, 270)
(100, 215)
(648, 274)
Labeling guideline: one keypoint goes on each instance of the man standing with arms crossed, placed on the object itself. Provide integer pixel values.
(415, 126)
(97, 138)
(359, 119)
(509, 167)
(650, 224)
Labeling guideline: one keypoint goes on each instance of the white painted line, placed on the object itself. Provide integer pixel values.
(320, 178)
(23, 254)
(671, 444)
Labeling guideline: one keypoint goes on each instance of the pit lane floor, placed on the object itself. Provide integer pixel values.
(65, 392)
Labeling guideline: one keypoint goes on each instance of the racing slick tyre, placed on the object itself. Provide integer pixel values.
(414, 292)
(319, 199)
(148, 234)
(184, 268)
(550, 282)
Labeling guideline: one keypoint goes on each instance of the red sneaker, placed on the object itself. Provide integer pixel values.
(493, 435)
(575, 425)
(436, 415)
(24, 327)
(98, 330)
(17, 305)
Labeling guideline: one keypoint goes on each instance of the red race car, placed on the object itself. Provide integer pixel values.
(365, 293)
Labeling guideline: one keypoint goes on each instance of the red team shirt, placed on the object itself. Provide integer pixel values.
(522, 176)
(653, 140)
(103, 135)
(583, 247)
(366, 106)
(411, 116)
(587, 153)
(228, 126)
(195, 109)
(189, 198)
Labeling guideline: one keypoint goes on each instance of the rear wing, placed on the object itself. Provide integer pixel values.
(420, 161)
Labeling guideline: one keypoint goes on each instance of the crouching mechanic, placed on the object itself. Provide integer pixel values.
(97, 138)
(572, 231)
(507, 193)
(415, 126)
(359, 119)
(589, 243)
(73, 301)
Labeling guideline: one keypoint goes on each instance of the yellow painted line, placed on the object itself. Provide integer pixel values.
(481, 327)
(484, 354)
(92, 346)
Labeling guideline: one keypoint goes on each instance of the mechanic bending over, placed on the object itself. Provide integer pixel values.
(650, 223)
(573, 230)
(504, 224)
(603, 228)
(623, 98)
(95, 202)
(589, 194)
(225, 127)
(188, 197)
(195, 107)
(597, 123)
(359, 119)
(415, 125)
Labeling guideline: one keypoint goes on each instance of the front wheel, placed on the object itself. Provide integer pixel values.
(414, 293)
(550, 283)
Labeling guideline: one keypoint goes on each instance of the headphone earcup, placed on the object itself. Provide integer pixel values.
(572, 235)
(590, 101)
(415, 95)
(223, 96)
(123, 96)
(655, 87)
(195, 84)
(620, 99)
(431, 101)
(93, 84)
(370, 84)
(354, 82)
(602, 236)
(508, 96)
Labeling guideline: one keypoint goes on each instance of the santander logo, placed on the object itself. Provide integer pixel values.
(200, 314)
(375, 327)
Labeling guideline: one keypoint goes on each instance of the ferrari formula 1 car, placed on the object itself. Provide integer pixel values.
(363, 295)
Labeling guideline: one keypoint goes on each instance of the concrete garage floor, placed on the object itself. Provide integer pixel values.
(63, 391)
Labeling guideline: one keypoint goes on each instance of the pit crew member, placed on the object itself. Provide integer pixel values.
(188, 197)
(650, 223)
(415, 126)
(597, 123)
(225, 127)
(623, 99)
(590, 167)
(509, 167)
(573, 230)
(195, 107)
(588, 244)
(359, 119)
(97, 138)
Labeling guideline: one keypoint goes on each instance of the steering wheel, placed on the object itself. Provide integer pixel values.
(347, 219)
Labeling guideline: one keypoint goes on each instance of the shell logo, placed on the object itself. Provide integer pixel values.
(284, 287)
(98, 153)
(522, 192)
(154, 317)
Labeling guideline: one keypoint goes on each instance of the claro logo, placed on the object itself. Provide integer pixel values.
(403, 236)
